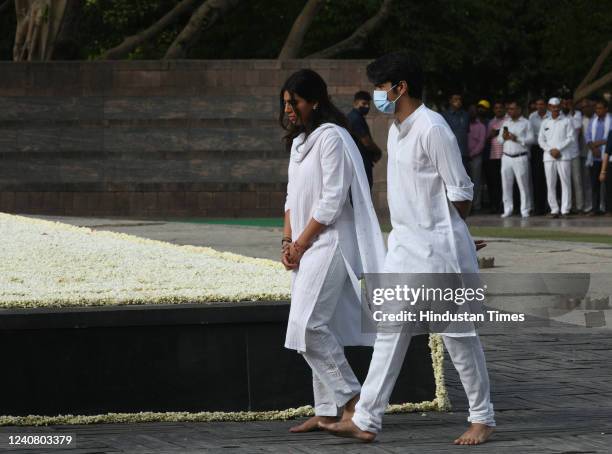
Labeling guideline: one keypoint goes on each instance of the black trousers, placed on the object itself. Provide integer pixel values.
(493, 176)
(609, 188)
(538, 178)
(596, 185)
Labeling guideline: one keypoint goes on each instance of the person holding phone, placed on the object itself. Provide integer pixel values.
(516, 136)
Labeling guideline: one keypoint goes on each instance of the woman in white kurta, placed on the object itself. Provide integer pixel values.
(331, 238)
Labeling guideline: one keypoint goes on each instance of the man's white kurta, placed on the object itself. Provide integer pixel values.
(321, 171)
(425, 175)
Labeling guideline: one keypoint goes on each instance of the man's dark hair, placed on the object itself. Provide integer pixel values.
(500, 102)
(395, 67)
(602, 101)
(362, 95)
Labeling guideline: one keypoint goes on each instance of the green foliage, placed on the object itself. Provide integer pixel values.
(484, 48)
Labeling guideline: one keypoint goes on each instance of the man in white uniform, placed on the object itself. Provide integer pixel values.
(429, 194)
(516, 135)
(556, 138)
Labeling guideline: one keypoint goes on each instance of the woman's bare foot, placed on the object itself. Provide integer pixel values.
(312, 424)
(475, 435)
(347, 428)
(349, 408)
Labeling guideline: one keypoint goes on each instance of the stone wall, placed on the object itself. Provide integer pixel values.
(155, 138)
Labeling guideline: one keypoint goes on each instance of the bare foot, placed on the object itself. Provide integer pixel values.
(347, 428)
(477, 434)
(349, 408)
(312, 424)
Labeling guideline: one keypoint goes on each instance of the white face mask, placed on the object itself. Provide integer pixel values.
(382, 103)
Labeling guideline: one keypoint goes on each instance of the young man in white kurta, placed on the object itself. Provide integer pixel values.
(428, 191)
(424, 175)
(557, 133)
(515, 162)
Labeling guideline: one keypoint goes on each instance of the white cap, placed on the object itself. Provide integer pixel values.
(554, 101)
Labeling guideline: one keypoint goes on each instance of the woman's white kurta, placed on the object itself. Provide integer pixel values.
(321, 171)
(424, 175)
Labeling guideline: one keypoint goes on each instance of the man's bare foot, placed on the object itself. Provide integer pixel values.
(347, 428)
(312, 424)
(349, 408)
(477, 434)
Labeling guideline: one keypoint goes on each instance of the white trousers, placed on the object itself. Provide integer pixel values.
(389, 352)
(564, 170)
(333, 380)
(511, 169)
(577, 185)
(586, 181)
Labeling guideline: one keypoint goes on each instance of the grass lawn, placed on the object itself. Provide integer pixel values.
(480, 232)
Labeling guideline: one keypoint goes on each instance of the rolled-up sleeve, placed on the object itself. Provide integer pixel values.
(337, 176)
(444, 153)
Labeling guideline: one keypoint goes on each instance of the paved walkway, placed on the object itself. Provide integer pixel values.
(551, 385)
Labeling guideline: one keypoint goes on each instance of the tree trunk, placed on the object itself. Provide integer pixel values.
(202, 19)
(38, 24)
(293, 43)
(359, 36)
(66, 45)
(131, 42)
(588, 85)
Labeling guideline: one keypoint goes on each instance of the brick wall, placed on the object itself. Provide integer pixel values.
(155, 138)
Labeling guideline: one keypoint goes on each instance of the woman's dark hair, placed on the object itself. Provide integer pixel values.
(395, 67)
(309, 85)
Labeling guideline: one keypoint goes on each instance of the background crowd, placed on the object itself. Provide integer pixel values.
(548, 158)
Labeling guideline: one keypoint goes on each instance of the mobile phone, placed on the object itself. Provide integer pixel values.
(505, 128)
